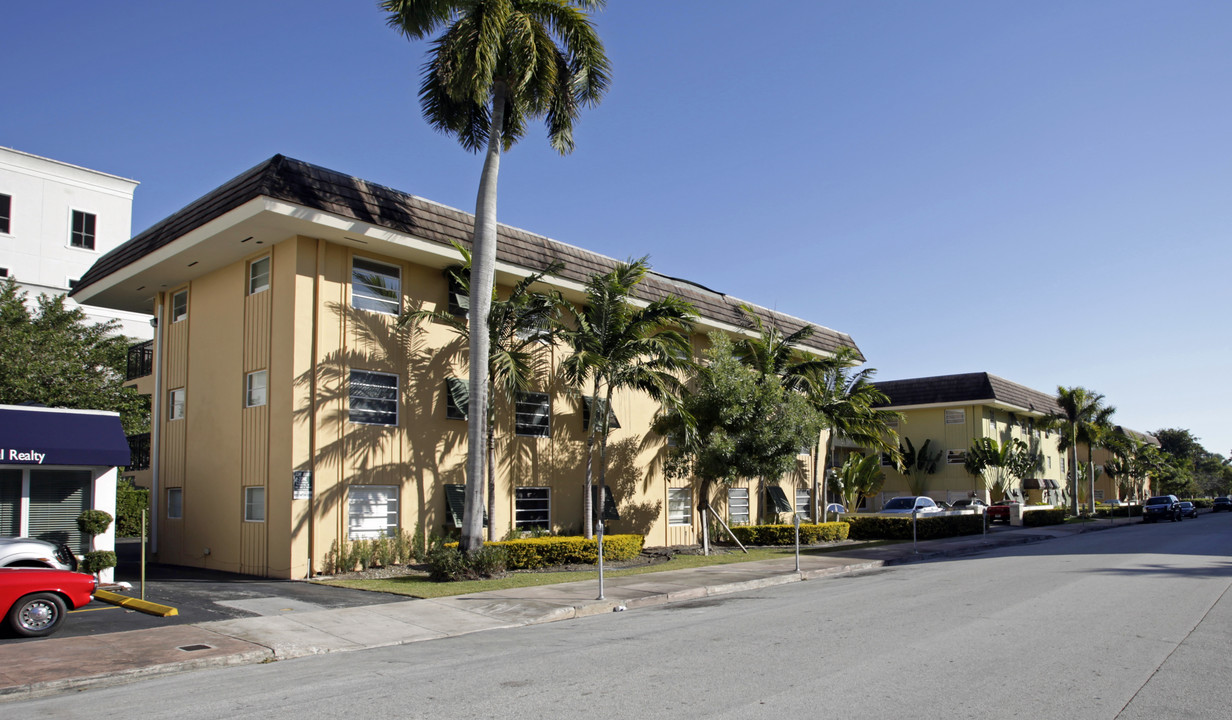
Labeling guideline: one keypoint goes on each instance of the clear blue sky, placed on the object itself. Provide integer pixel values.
(1042, 191)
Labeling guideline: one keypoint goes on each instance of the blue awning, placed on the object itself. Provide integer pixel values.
(55, 436)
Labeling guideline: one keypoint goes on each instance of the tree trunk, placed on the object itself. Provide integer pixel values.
(1074, 472)
(483, 269)
(491, 480)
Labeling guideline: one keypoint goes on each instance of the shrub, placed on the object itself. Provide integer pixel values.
(1123, 511)
(781, 534)
(96, 561)
(347, 555)
(537, 552)
(131, 503)
(927, 528)
(448, 564)
(1036, 518)
(94, 522)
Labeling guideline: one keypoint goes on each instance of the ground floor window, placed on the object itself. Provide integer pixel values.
(532, 508)
(10, 503)
(57, 497)
(254, 504)
(372, 511)
(175, 503)
(679, 506)
(738, 506)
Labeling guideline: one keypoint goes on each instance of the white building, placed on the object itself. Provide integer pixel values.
(56, 219)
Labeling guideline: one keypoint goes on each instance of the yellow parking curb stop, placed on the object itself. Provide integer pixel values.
(145, 606)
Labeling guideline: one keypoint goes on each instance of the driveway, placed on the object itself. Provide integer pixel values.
(202, 596)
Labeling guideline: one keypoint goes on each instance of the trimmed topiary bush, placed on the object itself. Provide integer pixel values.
(782, 534)
(530, 553)
(97, 561)
(131, 502)
(93, 522)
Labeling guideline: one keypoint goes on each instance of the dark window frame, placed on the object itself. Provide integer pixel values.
(83, 230)
(533, 415)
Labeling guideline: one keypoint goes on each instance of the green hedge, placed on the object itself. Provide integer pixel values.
(1116, 512)
(1036, 518)
(810, 533)
(899, 528)
(530, 553)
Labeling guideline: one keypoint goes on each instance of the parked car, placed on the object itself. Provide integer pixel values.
(910, 504)
(969, 504)
(1162, 507)
(1221, 503)
(1000, 510)
(1188, 509)
(835, 508)
(29, 552)
(944, 505)
(1115, 502)
(35, 600)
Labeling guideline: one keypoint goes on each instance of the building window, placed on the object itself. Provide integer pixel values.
(254, 391)
(83, 230)
(738, 506)
(4, 272)
(372, 511)
(457, 398)
(532, 414)
(532, 508)
(802, 503)
(175, 401)
(679, 506)
(459, 301)
(175, 503)
(179, 306)
(258, 275)
(6, 214)
(374, 398)
(587, 403)
(254, 504)
(376, 286)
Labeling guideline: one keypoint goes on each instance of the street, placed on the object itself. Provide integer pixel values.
(1127, 623)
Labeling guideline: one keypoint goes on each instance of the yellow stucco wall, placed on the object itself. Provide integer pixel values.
(306, 334)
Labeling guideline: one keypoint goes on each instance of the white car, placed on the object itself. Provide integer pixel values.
(29, 552)
(909, 504)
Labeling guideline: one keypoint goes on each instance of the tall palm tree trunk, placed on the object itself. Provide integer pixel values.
(483, 268)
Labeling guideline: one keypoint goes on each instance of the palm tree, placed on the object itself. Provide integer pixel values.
(1084, 418)
(498, 64)
(616, 346)
(846, 402)
(518, 328)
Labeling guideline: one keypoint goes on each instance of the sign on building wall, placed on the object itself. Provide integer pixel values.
(301, 485)
(955, 417)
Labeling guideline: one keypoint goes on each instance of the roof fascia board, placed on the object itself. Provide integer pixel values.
(997, 404)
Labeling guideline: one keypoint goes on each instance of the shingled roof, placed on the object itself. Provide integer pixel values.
(317, 188)
(966, 388)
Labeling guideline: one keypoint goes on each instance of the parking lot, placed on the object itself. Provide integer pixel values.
(201, 596)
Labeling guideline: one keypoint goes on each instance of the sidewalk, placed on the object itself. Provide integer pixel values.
(56, 665)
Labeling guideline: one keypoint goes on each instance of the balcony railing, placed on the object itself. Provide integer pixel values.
(140, 360)
(139, 451)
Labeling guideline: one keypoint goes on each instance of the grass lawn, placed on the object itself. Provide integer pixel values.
(422, 587)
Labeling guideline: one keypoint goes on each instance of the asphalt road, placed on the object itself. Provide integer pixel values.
(1128, 623)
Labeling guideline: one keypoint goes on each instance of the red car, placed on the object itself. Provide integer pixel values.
(35, 600)
(999, 510)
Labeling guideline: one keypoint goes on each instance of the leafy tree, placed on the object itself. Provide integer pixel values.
(918, 465)
(52, 356)
(859, 477)
(999, 464)
(518, 328)
(617, 346)
(735, 423)
(496, 65)
(1191, 469)
(846, 403)
(1084, 419)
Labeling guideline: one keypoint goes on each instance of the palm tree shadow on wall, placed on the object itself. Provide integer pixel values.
(407, 455)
